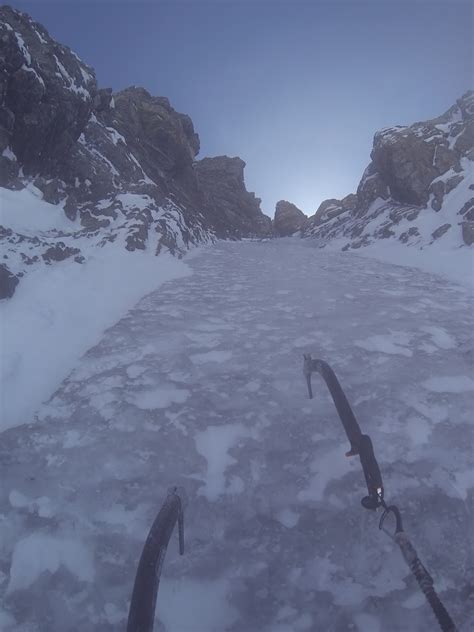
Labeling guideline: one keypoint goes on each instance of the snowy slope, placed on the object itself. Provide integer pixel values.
(61, 310)
(201, 384)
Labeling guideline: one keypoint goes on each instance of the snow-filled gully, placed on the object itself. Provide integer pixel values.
(201, 385)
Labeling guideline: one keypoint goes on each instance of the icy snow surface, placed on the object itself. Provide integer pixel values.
(201, 385)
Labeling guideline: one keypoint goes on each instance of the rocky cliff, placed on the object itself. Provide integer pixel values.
(121, 166)
(289, 219)
(418, 188)
(233, 211)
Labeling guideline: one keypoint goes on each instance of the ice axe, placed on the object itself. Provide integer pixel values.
(360, 444)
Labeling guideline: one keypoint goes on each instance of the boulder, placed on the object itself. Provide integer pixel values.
(8, 282)
(289, 219)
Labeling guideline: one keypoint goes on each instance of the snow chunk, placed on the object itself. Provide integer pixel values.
(211, 356)
(288, 518)
(42, 506)
(207, 602)
(213, 444)
(133, 200)
(8, 153)
(449, 384)
(38, 553)
(393, 344)
(161, 397)
(440, 337)
(135, 370)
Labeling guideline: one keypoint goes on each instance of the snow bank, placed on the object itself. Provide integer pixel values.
(454, 263)
(60, 311)
(25, 212)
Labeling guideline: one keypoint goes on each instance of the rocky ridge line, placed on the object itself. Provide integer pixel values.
(418, 188)
(122, 166)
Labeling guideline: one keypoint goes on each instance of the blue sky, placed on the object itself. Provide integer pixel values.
(297, 89)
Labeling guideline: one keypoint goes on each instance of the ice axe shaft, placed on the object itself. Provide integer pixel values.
(343, 407)
(145, 590)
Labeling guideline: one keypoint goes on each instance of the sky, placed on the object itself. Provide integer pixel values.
(296, 88)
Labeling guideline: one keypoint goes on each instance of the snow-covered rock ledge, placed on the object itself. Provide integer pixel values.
(59, 311)
(417, 194)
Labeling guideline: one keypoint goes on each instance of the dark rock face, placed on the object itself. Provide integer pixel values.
(289, 219)
(164, 139)
(413, 172)
(468, 233)
(122, 166)
(234, 211)
(46, 91)
(8, 282)
(329, 210)
(59, 252)
(333, 208)
(371, 187)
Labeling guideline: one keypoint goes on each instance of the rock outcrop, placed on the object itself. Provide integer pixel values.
(234, 211)
(122, 166)
(289, 219)
(332, 208)
(46, 94)
(418, 188)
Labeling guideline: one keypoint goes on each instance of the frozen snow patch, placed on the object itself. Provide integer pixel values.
(327, 467)
(206, 602)
(204, 340)
(211, 356)
(449, 384)
(135, 370)
(367, 622)
(73, 439)
(440, 337)
(288, 518)
(213, 444)
(38, 553)
(160, 397)
(418, 430)
(42, 506)
(393, 343)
